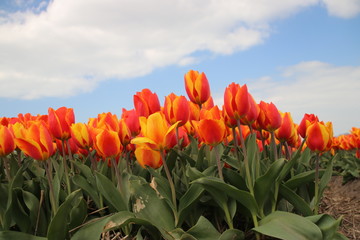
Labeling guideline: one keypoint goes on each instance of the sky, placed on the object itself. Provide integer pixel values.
(93, 56)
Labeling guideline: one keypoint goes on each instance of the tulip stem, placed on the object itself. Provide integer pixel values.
(47, 166)
(218, 161)
(273, 146)
(66, 168)
(236, 143)
(117, 174)
(70, 156)
(172, 186)
(7, 169)
(246, 160)
(316, 202)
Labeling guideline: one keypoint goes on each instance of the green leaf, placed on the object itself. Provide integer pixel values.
(32, 203)
(203, 230)
(148, 205)
(253, 157)
(243, 197)
(93, 229)
(90, 189)
(265, 183)
(327, 175)
(188, 201)
(235, 179)
(233, 234)
(86, 172)
(327, 224)
(58, 227)
(302, 178)
(288, 226)
(6, 235)
(110, 192)
(299, 203)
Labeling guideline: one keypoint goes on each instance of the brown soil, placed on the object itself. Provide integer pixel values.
(344, 201)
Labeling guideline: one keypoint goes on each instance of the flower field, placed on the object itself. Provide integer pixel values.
(186, 170)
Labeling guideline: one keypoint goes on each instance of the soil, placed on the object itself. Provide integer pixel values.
(343, 200)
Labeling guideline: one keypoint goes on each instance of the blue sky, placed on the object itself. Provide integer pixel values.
(93, 56)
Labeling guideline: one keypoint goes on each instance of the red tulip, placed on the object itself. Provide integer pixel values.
(269, 117)
(124, 133)
(307, 120)
(37, 142)
(197, 87)
(131, 118)
(176, 108)
(287, 128)
(319, 136)
(107, 143)
(81, 135)
(60, 121)
(212, 131)
(7, 143)
(146, 102)
(236, 101)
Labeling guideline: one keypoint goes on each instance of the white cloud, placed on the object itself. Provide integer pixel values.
(73, 45)
(331, 92)
(343, 8)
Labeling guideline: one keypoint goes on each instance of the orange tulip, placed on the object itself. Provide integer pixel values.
(7, 143)
(307, 120)
(148, 157)
(252, 114)
(197, 87)
(80, 133)
(287, 128)
(107, 143)
(156, 132)
(176, 108)
(269, 117)
(212, 113)
(73, 146)
(319, 136)
(60, 121)
(124, 133)
(107, 121)
(36, 142)
(146, 102)
(131, 118)
(236, 101)
(212, 131)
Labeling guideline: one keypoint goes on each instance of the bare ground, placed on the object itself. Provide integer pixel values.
(344, 201)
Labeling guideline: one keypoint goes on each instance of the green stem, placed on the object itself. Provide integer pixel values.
(117, 174)
(68, 186)
(246, 160)
(70, 156)
(273, 146)
(236, 144)
(51, 187)
(7, 169)
(316, 202)
(172, 186)
(218, 162)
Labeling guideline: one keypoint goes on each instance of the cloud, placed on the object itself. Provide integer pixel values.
(73, 45)
(342, 8)
(331, 92)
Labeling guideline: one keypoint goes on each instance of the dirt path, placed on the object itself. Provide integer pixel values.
(344, 200)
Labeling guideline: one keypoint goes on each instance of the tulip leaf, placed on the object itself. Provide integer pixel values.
(86, 172)
(327, 224)
(234, 234)
(243, 197)
(265, 183)
(110, 192)
(327, 175)
(235, 179)
(32, 203)
(58, 228)
(302, 178)
(5, 235)
(188, 201)
(203, 230)
(90, 189)
(253, 157)
(92, 230)
(148, 205)
(299, 203)
(288, 226)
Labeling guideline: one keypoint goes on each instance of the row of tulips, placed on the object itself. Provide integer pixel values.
(257, 151)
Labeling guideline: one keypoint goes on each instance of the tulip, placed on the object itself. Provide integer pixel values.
(124, 133)
(212, 131)
(4, 121)
(7, 143)
(60, 121)
(197, 87)
(236, 101)
(176, 108)
(131, 118)
(80, 133)
(148, 157)
(107, 121)
(212, 113)
(71, 143)
(287, 128)
(319, 136)
(252, 114)
(107, 143)
(307, 120)
(146, 102)
(37, 142)
(269, 117)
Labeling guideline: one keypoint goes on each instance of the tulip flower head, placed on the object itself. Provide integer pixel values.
(81, 135)
(7, 143)
(131, 118)
(307, 120)
(197, 87)
(236, 101)
(319, 136)
(269, 117)
(60, 121)
(146, 102)
(107, 143)
(176, 108)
